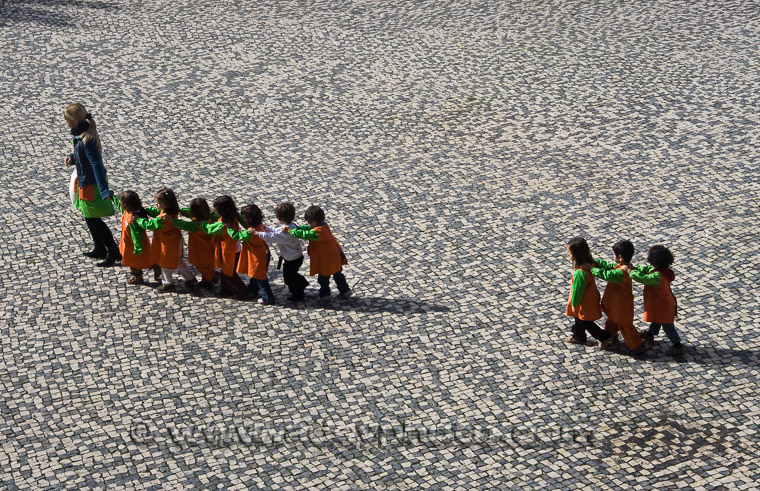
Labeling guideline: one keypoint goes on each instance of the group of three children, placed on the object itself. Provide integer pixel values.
(617, 303)
(229, 242)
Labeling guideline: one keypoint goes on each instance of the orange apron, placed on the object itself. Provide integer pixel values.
(589, 309)
(659, 303)
(226, 250)
(166, 244)
(325, 255)
(253, 257)
(127, 247)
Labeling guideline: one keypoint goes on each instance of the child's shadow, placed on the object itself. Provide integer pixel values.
(356, 303)
(701, 355)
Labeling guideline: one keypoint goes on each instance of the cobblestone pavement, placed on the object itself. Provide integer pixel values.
(455, 146)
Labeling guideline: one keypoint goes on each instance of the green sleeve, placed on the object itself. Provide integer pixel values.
(186, 225)
(185, 212)
(242, 235)
(212, 228)
(612, 275)
(578, 288)
(214, 216)
(602, 264)
(137, 237)
(304, 232)
(241, 221)
(117, 204)
(149, 223)
(646, 276)
(154, 212)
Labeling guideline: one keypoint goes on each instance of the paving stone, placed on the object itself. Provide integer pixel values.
(455, 148)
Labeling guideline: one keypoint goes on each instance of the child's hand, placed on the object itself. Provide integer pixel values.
(251, 231)
(625, 268)
(132, 219)
(285, 229)
(67, 161)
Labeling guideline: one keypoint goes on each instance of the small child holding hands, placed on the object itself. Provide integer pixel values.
(583, 300)
(617, 301)
(659, 302)
(326, 255)
(254, 258)
(290, 247)
(134, 245)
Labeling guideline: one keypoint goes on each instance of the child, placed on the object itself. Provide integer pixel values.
(254, 259)
(659, 302)
(290, 250)
(325, 253)
(134, 246)
(583, 301)
(617, 301)
(166, 249)
(227, 248)
(201, 244)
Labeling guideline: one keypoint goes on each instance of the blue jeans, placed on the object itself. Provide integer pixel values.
(324, 283)
(266, 291)
(670, 331)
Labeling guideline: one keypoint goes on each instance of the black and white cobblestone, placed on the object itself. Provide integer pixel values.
(455, 146)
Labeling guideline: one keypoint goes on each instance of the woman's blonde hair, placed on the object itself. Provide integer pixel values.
(77, 113)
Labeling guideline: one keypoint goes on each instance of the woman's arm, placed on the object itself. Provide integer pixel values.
(96, 162)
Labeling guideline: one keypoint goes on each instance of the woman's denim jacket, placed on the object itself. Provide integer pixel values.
(90, 168)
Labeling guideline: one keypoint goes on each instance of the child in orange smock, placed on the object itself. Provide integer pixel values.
(227, 252)
(659, 302)
(134, 245)
(617, 302)
(325, 254)
(254, 258)
(202, 243)
(167, 246)
(583, 301)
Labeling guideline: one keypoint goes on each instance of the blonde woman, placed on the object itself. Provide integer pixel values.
(92, 196)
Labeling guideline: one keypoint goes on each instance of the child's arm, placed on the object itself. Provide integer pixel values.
(273, 235)
(304, 232)
(241, 235)
(186, 225)
(117, 204)
(215, 228)
(646, 275)
(185, 212)
(137, 237)
(578, 288)
(612, 275)
(148, 223)
(152, 211)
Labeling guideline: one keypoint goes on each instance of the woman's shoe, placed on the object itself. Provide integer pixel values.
(110, 259)
(97, 253)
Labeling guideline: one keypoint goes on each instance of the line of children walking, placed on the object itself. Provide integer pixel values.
(229, 241)
(585, 306)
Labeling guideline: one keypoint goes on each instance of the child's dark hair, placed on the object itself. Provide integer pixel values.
(624, 249)
(285, 212)
(314, 214)
(226, 209)
(580, 251)
(131, 203)
(252, 215)
(199, 209)
(167, 200)
(660, 257)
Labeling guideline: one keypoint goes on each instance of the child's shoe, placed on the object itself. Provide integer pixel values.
(346, 294)
(206, 284)
(156, 272)
(676, 350)
(165, 288)
(262, 302)
(191, 283)
(573, 340)
(295, 298)
(647, 337)
(606, 342)
(325, 298)
(135, 280)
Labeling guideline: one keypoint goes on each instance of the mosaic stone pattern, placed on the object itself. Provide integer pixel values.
(455, 147)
